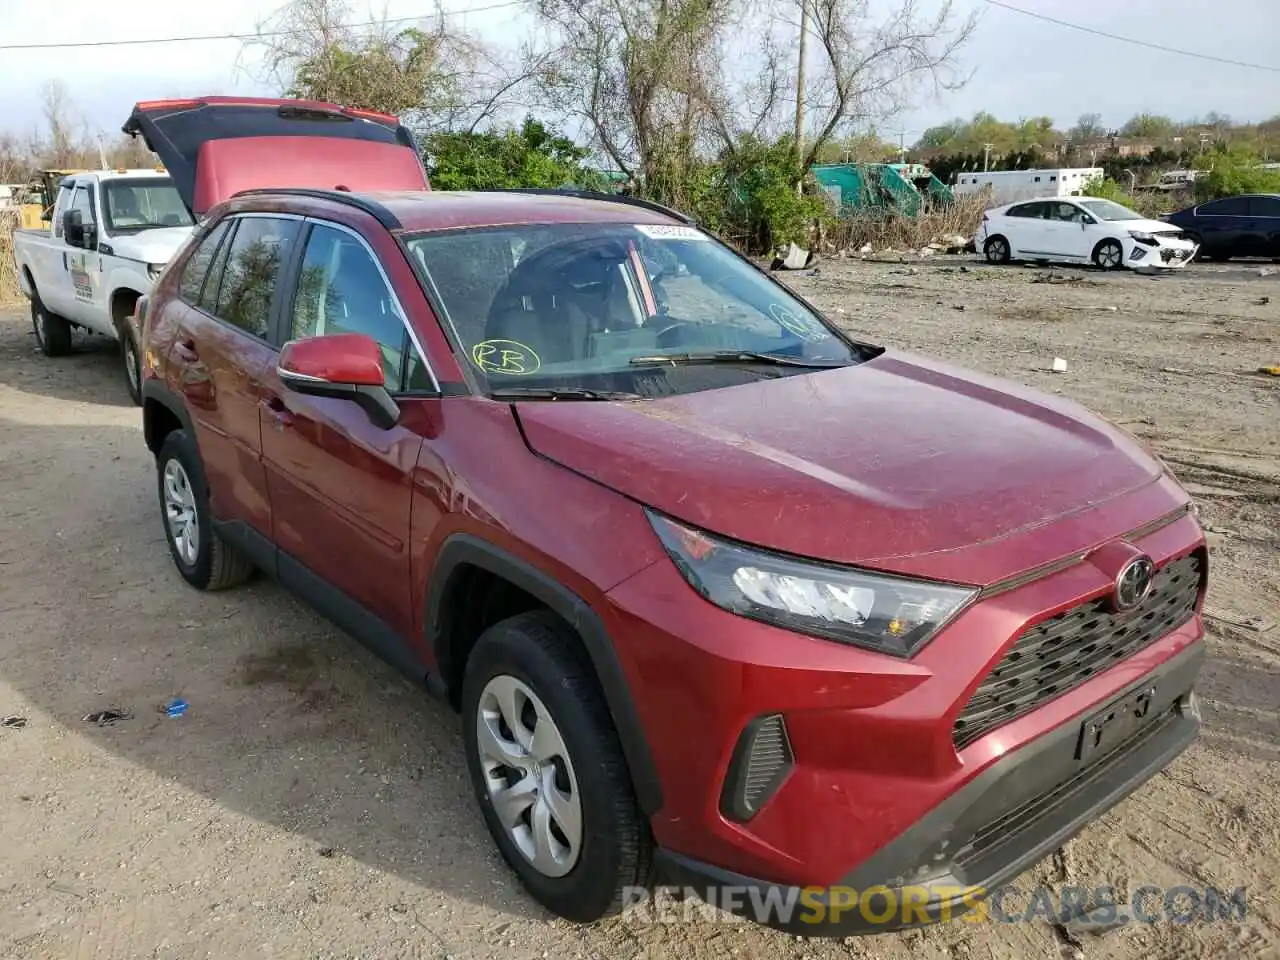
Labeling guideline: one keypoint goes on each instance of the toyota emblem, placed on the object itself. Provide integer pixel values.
(1134, 583)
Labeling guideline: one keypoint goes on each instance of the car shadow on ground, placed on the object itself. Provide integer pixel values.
(92, 373)
(289, 721)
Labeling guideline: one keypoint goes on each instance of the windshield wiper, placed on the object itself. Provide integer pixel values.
(561, 393)
(736, 356)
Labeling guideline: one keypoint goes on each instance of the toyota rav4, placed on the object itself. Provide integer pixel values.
(726, 597)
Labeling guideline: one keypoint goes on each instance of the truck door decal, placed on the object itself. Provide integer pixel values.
(81, 279)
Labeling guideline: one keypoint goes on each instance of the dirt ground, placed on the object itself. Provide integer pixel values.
(311, 804)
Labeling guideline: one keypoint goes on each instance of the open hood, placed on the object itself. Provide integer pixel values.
(216, 147)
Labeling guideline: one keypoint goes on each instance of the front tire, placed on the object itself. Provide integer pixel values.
(204, 559)
(1108, 255)
(53, 333)
(548, 771)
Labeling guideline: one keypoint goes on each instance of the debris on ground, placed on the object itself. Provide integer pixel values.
(1270, 371)
(13, 722)
(104, 718)
(1059, 365)
(792, 256)
(176, 707)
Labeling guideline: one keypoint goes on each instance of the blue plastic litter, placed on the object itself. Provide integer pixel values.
(176, 707)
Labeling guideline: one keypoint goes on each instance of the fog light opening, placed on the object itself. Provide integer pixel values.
(761, 761)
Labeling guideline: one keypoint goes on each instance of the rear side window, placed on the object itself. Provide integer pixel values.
(1021, 210)
(197, 265)
(1230, 207)
(1264, 206)
(254, 257)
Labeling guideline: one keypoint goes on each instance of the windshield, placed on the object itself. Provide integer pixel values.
(142, 204)
(1106, 210)
(635, 308)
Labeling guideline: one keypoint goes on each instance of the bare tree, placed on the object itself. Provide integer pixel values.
(874, 64)
(641, 75)
(59, 119)
(435, 77)
(1088, 127)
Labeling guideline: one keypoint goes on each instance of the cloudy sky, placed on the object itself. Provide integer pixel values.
(1021, 66)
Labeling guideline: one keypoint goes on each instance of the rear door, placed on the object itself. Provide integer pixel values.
(223, 351)
(1026, 228)
(341, 488)
(1265, 213)
(215, 147)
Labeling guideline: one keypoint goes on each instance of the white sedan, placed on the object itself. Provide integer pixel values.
(1080, 230)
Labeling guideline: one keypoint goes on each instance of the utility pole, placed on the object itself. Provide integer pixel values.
(986, 156)
(799, 132)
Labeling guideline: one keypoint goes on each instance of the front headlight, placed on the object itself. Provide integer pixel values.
(884, 613)
(1142, 236)
(154, 270)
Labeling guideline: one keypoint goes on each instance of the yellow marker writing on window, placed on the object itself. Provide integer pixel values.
(506, 357)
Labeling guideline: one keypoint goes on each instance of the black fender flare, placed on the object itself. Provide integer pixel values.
(460, 549)
(153, 391)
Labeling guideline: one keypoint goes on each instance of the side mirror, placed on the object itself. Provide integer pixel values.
(346, 366)
(73, 228)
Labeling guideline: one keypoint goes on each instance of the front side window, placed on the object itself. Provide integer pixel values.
(140, 204)
(1107, 210)
(600, 305)
(341, 290)
(259, 247)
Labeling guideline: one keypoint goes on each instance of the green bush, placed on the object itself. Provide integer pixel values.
(1235, 170)
(531, 156)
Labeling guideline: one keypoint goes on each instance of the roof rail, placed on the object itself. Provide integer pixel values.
(599, 195)
(378, 211)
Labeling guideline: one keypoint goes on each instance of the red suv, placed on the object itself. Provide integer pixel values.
(726, 598)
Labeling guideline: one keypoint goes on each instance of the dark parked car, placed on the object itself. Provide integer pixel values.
(1244, 226)
(720, 592)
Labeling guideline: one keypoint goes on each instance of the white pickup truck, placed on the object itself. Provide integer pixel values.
(110, 236)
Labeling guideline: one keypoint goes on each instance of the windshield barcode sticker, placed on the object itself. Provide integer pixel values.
(670, 231)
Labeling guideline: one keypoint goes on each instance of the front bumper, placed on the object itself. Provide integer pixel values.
(1168, 254)
(1010, 816)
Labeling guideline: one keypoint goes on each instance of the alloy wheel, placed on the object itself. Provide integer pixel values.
(180, 513)
(529, 776)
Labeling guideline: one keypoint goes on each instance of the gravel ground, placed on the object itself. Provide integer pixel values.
(310, 804)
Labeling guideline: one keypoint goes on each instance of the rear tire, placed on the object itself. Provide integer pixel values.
(996, 250)
(574, 776)
(204, 559)
(132, 364)
(53, 333)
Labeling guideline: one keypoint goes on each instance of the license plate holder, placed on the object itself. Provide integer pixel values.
(1114, 723)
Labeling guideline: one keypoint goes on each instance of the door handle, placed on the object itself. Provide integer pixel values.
(186, 350)
(278, 412)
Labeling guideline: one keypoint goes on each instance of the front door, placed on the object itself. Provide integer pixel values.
(223, 353)
(82, 274)
(1069, 234)
(341, 487)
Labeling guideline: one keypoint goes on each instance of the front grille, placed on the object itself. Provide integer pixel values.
(1061, 653)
